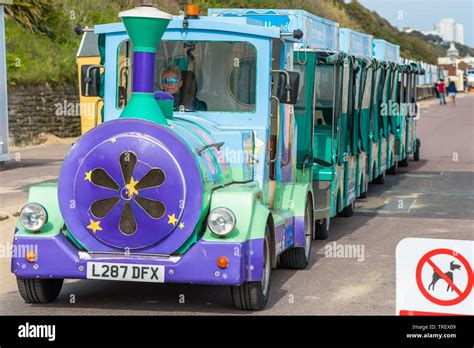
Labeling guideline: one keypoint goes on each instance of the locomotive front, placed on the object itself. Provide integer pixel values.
(133, 200)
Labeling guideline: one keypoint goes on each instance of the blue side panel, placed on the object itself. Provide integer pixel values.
(318, 32)
(383, 50)
(355, 43)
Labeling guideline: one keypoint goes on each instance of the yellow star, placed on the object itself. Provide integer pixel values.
(131, 190)
(181, 225)
(113, 140)
(88, 176)
(172, 219)
(94, 226)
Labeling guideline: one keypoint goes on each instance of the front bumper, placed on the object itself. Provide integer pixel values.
(57, 257)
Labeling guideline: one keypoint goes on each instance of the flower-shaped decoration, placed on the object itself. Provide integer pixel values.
(130, 191)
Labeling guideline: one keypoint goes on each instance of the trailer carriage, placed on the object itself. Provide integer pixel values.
(327, 75)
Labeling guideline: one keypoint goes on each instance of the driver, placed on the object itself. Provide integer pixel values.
(172, 83)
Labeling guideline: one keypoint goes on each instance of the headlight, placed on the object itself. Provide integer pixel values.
(33, 217)
(221, 221)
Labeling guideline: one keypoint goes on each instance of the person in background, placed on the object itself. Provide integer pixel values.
(441, 91)
(435, 87)
(452, 91)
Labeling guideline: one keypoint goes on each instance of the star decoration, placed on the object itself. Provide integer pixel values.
(172, 220)
(88, 176)
(94, 226)
(131, 190)
(113, 140)
(181, 225)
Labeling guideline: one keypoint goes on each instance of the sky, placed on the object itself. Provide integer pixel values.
(423, 14)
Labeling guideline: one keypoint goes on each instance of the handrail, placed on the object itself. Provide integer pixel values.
(218, 146)
(96, 111)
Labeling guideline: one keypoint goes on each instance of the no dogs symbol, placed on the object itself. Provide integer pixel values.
(444, 277)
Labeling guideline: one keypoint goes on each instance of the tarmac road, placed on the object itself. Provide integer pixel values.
(438, 202)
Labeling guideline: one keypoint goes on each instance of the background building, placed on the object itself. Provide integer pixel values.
(449, 30)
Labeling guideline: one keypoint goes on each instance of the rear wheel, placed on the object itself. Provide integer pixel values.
(394, 169)
(380, 180)
(39, 290)
(321, 229)
(404, 162)
(298, 258)
(348, 211)
(253, 296)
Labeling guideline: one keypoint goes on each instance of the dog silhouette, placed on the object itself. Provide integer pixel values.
(452, 267)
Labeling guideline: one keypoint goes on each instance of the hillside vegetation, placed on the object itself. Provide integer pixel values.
(41, 44)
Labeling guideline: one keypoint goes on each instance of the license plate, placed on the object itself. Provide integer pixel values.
(126, 272)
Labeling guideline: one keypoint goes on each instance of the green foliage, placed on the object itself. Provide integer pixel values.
(41, 45)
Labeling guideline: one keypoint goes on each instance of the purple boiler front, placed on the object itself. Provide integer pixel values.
(109, 199)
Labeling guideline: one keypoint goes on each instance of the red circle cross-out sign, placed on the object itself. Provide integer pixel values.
(461, 293)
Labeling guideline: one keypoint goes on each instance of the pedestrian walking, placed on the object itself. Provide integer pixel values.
(452, 91)
(441, 92)
(435, 88)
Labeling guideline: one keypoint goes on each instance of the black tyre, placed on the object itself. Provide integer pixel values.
(394, 169)
(380, 180)
(253, 296)
(416, 154)
(404, 162)
(298, 258)
(348, 211)
(39, 290)
(321, 229)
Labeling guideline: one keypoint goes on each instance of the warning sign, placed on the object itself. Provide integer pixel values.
(435, 277)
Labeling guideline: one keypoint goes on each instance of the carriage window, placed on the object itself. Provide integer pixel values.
(324, 86)
(301, 104)
(124, 81)
(208, 76)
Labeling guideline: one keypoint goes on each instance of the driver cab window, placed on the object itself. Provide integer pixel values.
(208, 76)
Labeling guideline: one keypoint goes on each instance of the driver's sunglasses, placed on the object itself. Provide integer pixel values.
(170, 81)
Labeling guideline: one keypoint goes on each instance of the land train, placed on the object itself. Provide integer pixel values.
(279, 125)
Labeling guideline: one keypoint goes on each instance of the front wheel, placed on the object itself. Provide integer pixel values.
(253, 296)
(298, 258)
(416, 154)
(39, 290)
